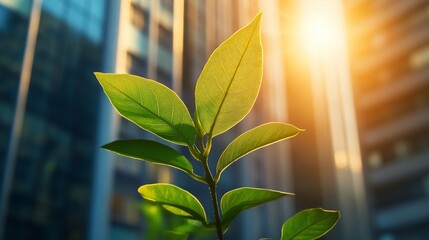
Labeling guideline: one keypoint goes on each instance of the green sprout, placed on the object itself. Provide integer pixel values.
(225, 93)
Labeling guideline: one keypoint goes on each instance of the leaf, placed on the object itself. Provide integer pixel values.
(174, 199)
(252, 140)
(171, 235)
(150, 151)
(309, 224)
(229, 82)
(238, 200)
(151, 105)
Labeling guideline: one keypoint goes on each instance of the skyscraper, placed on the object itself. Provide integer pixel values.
(144, 48)
(389, 42)
(49, 104)
(57, 181)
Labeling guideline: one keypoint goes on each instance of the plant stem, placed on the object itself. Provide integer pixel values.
(212, 187)
(216, 211)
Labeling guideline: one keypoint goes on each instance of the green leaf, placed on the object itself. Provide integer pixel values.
(309, 224)
(151, 105)
(252, 140)
(238, 200)
(229, 83)
(174, 199)
(150, 151)
(171, 235)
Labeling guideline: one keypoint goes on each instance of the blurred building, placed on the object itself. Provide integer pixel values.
(389, 52)
(55, 118)
(49, 115)
(56, 182)
(144, 47)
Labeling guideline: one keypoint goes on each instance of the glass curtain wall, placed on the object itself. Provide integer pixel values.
(50, 188)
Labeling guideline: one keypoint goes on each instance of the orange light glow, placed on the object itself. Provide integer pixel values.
(320, 29)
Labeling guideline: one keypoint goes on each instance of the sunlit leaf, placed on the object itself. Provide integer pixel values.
(174, 199)
(309, 224)
(150, 151)
(252, 140)
(240, 199)
(229, 83)
(149, 104)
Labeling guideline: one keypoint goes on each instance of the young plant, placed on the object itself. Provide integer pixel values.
(225, 93)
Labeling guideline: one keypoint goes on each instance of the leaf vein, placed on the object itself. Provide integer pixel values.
(147, 109)
(230, 83)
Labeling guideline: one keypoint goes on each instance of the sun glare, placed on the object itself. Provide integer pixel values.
(320, 29)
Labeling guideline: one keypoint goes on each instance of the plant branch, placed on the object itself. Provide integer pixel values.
(197, 177)
(212, 187)
(218, 220)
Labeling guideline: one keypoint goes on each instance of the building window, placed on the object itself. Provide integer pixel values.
(375, 159)
(139, 17)
(167, 5)
(136, 65)
(166, 37)
(164, 77)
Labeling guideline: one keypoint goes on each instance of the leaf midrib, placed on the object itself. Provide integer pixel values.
(230, 83)
(234, 159)
(186, 209)
(168, 123)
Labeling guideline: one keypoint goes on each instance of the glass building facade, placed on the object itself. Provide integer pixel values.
(50, 178)
(389, 42)
(13, 30)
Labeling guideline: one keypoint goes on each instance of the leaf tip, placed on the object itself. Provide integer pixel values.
(140, 189)
(108, 146)
(105, 146)
(98, 74)
(297, 129)
(257, 18)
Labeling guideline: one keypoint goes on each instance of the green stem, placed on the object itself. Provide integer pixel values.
(202, 156)
(216, 211)
(212, 187)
